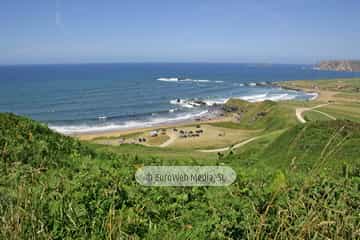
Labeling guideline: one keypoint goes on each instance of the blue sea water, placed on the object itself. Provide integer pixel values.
(97, 97)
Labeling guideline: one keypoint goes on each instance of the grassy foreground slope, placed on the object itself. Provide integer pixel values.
(30, 142)
(54, 187)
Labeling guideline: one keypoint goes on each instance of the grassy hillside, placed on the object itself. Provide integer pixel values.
(54, 187)
(23, 140)
(315, 116)
(351, 85)
(267, 115)
(319, 144)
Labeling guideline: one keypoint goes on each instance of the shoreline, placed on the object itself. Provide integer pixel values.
(123, 132)
(322, 95)
(210, 117)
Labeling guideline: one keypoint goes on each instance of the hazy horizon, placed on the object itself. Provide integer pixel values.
(156, 62)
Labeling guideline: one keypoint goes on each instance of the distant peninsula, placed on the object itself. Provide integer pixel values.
(339, 65)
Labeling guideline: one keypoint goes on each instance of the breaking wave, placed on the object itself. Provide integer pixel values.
(188, 80)
(131, 124)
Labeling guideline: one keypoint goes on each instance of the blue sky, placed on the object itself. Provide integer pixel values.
(281, 31)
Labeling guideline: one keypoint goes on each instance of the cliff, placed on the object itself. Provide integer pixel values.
(344, 66)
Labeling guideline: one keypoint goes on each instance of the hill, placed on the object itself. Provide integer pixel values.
(344, 66)
(266, 115)
(55, 187)
(317, 145)
(29, 142)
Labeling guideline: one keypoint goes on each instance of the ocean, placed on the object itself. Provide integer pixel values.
(99, 97)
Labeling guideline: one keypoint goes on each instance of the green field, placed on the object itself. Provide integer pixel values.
(350, 85)
(296, 181)
(315, 116)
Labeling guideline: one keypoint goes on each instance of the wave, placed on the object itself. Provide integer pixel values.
(267, 96)
(213, 102)
(281, 97)
(175, 79)
(168, 79)
(254, 98)
(192, 103)
(277, 97)
(131, 124)
(314, 95)
(201, 80)
(173, 110)
(183, 103)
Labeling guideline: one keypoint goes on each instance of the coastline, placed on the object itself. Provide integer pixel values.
(211, 117)
(322, 95)
(123, 132)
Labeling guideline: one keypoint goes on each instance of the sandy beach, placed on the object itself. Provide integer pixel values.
(123, 132)
(211, 117)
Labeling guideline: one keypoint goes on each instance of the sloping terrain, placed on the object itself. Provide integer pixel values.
(54, 187)
(29, 142)
(267, 115)
(343, 66)
(319, 144)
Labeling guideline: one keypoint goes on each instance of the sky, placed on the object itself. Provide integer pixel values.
(271, 31)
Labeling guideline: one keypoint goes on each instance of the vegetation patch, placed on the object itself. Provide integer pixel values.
(55, 187)
(267, 115)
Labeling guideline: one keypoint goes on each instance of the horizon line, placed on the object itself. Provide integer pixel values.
(160, 62)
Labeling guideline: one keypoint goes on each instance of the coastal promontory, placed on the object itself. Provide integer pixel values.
(340, 65)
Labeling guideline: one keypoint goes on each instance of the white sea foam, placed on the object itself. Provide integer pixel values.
(314, 95)
(184, 103)
(267, 96)
(172, 110)
(85, 128)
(175, 79)
(186, 80)
(168, 79)
(281, 97)
(212, 102)
(201, 80)
(254, 98)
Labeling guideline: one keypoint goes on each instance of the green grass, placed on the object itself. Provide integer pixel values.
(315, 116)
(171, 156)
(125, 136)
(320, 144)
(265, 115)
(345, 111)
(351, 95)
(54, 187)
(230, 125)
(347, 85)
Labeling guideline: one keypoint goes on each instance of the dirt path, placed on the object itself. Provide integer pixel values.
(299, 112)
(172, 138)
(228, 148)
